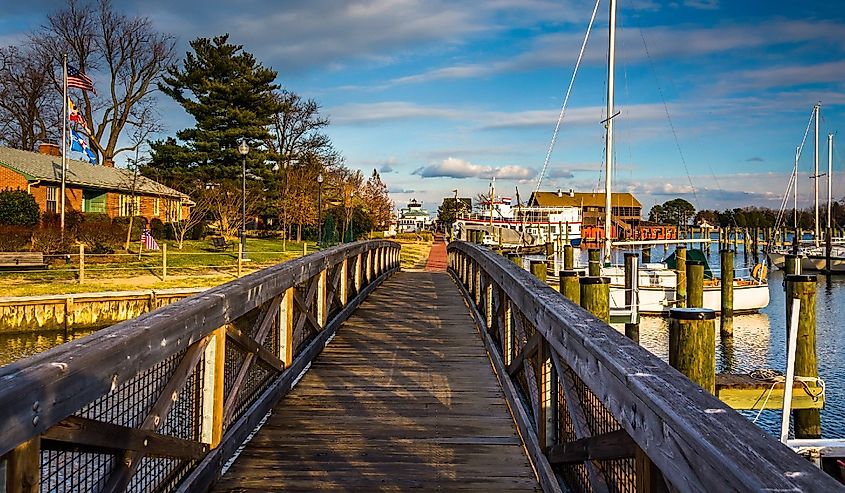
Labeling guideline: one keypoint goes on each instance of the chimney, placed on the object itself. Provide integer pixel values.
(571, 192)
(49, 149)
(559, 193)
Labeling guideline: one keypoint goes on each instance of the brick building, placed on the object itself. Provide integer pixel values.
(88, 188)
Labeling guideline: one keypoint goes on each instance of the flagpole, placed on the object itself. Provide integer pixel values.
(64, 137)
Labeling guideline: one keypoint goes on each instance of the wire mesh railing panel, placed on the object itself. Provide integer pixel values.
(129, 403)
(256, 381)
(68, 471)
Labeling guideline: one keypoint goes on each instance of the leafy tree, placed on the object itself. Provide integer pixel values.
(449, 209)
(377, 201)
(655, 215)
(18, 208)
(676, 211)
(127, 50)
(230, 95)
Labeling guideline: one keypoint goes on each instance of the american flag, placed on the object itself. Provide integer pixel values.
(77, 79)
(148, 240)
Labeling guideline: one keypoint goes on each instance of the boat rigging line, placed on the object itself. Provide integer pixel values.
(566, 99)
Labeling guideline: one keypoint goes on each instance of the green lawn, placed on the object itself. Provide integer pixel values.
(198, 264)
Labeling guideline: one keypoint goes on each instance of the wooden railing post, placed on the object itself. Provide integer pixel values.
(285, 326)
(322, 312)
(344, 282)
(23, 473)
(214, 359)
(358, 261)
(508, 343)
(547, 432)
(488, 305)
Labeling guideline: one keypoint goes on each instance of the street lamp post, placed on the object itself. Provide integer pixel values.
(319, 209)
(243, 149)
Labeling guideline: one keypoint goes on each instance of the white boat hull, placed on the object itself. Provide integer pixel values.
(658, 300)
(657, 292)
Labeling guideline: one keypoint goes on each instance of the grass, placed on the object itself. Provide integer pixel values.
(198, 264)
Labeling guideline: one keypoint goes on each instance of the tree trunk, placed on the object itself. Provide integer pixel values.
(299, 232)
(129, 234)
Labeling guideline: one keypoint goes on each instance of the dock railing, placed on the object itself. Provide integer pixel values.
(163, 401)
(597, 412)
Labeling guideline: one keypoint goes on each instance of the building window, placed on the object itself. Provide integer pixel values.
(156, 207)
(174, 210)
(52, 202)
(129, 205)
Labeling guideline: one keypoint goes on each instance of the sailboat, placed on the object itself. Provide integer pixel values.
(814, 257)
(656, 292)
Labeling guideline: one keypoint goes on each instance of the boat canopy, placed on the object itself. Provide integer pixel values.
(692, 254)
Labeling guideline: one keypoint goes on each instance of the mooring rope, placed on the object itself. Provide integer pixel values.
(776, 377)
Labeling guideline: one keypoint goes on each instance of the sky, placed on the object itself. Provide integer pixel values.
(713, 96)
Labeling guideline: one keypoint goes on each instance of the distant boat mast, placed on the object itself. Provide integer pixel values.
(608, 142)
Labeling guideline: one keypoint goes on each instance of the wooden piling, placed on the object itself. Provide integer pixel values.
(594, 265)
(692, 345)
(681, 276)
(539, 269)
(791, 265)
(807, 422)
(695, 283)
(632, 279)
(726, 325)
(568, 257)
(828, 246)
(595, 296)
(515, 258)
(569, 286)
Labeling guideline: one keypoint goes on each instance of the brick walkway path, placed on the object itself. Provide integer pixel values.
(437, 256)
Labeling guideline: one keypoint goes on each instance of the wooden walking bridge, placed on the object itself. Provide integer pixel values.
(336, 371)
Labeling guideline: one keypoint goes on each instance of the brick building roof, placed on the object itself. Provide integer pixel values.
(36, 166)
(579, 199)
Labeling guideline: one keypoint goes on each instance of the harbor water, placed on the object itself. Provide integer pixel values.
(759, 340)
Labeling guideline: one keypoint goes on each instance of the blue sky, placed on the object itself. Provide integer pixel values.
(443, 95)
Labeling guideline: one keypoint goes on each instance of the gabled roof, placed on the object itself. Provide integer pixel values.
(579, 199)
(36, 166)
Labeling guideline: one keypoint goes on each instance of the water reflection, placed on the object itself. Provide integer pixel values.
(759, 340)
(22, 345)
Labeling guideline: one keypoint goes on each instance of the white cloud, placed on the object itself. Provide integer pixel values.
(460, 168)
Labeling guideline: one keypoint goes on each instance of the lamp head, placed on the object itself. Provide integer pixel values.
(320, 178)
(243, 148)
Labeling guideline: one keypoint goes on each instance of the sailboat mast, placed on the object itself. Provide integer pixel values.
(829, 177)
(608, 143)
(816, 170)
(795, 190)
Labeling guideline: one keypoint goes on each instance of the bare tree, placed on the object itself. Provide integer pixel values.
(198, 214)
(225, 207)
(128, 51)
(29, 108)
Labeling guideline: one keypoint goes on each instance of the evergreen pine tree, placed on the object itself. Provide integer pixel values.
(230, 96)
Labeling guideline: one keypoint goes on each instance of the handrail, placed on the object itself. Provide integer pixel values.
(184, 383)
(597, 411)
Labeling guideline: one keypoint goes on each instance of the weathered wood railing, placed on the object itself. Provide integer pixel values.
(161, 402)
(597, 412)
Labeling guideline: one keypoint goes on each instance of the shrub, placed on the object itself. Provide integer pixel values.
(49, 240)
(101, 237)
(158, 229)
(15, 238)
(18, 208)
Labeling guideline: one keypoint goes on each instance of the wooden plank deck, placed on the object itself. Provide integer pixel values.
(403, 398)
